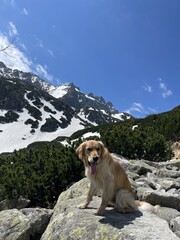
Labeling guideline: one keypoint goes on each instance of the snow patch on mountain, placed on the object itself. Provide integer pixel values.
(91, 134)
(58, 92)
(84, 117)
(17, 135)
(121, 116)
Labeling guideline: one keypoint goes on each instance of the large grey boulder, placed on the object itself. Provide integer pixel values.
(70, 222)
(159, 198)
(18, 203)
(25, 224)
(175, 225)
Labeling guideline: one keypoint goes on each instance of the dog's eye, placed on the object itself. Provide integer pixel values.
(89, 149)
(98, 149)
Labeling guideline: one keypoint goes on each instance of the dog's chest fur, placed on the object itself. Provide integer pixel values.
(99, 177)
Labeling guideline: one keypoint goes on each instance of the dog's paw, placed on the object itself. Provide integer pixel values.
(125, 210)
(99, 213)
(82, 206)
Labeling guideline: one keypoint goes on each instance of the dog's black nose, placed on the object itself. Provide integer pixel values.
(95, 159)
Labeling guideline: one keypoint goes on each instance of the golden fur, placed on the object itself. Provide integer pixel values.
(106, 174)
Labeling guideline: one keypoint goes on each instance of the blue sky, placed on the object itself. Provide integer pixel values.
(127, 51)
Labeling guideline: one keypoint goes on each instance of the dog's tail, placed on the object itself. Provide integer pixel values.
(145, 206)
(125, 203)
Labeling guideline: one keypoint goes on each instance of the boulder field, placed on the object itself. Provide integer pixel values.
(156, 183)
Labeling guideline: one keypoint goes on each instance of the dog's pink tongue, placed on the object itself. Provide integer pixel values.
(93, 168)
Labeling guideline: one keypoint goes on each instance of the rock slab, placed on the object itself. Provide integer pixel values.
(70, 222)
(24, 224)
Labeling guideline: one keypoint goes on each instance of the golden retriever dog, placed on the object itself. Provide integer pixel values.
(105, 174)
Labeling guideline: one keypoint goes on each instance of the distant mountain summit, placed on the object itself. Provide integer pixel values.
(93, 109)
(78, 100)
(31, 78)
(33, 110)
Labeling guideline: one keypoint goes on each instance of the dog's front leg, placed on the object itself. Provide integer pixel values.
(108, 191)
(91, 193)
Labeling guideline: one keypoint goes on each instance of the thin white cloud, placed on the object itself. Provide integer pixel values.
(39, 42)
(12, 29)
(22, 45)
(138, 110)
(151, 110)
(12, 56)
(50, 52)
(164, 90)
(147, 88)
(135, 107)
(42, 72)
(41, 45)
(25, 12)
(11, 2)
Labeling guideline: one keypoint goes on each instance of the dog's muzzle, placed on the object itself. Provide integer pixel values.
(93, 160)
(92, 164)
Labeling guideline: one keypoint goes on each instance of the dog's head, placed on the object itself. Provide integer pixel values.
(91, 153)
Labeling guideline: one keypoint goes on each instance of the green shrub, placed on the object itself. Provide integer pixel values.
(140, 143)
(40, 174)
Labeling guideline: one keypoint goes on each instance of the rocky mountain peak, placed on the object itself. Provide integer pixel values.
(2, 65)
(69, 93)
(79, 100)
(34, 106)
(28, 77)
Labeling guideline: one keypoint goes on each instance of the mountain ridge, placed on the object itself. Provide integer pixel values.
(37, 111)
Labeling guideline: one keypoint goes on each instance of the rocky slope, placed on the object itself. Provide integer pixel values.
(92, 108)
(28, 114)
(156, 183)
(25, 224)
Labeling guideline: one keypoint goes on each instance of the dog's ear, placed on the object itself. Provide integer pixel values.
(80, 151)
(104, 150)
(101, 143)
(102, 147)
